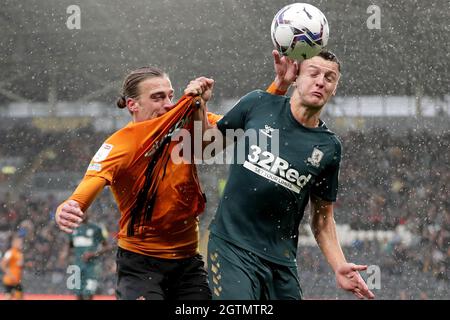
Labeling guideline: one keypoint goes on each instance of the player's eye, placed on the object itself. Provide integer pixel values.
(158, 97)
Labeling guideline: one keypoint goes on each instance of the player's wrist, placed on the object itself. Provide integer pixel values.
(339, 266)
(275, 89)
(281, 84)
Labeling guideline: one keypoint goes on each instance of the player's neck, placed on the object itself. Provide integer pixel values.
(307, 117)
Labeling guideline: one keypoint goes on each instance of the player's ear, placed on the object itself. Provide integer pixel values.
(335, 88)
(132, 105)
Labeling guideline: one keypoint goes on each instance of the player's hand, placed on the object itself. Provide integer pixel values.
(286, 70)
(348, 278)
(69, 216)
(201, 86)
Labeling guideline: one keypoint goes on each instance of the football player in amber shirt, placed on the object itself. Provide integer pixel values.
(12, 265)
(158, 256)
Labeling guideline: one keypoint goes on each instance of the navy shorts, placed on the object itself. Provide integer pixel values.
(148, 278)
(238, 274)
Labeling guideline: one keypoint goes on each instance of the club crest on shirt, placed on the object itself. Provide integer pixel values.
(315, 158)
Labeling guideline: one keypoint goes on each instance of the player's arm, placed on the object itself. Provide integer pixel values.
(70, 213)
(227, 130)
(324, 229)
(203, 86)
(286, 71)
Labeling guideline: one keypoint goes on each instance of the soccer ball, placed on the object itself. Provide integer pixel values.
(299, 31)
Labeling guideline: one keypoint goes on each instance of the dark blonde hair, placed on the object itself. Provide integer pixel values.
(330, 56)
(130, 86)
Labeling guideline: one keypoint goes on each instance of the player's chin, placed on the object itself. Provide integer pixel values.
(316, 103)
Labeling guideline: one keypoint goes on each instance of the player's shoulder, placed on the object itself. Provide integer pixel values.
(337, 144)
(333, 138)
(249, 97)
(260, 97)
(262, 94)
(119, 142)
(121, 135)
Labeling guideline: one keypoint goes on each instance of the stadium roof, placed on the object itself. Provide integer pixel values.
(44, 61)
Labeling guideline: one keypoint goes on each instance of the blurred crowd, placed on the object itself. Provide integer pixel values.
(389, 180)
(46, 266)
(386, 181)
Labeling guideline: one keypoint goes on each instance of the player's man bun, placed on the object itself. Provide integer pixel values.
(121, 102)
